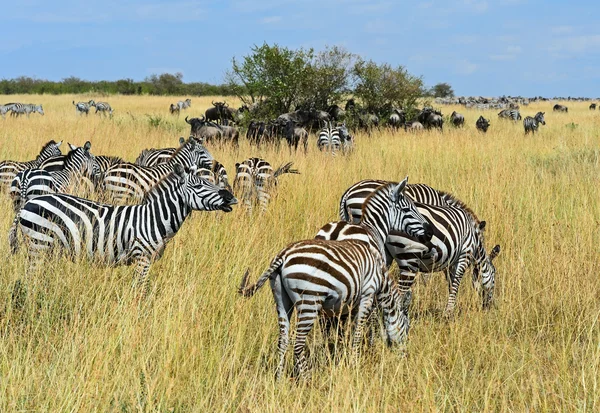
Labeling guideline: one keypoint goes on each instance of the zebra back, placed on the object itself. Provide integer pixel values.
(9, 169)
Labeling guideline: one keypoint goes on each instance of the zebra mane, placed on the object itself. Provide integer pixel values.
(47, 144)
(185, 144)
(455, 202)
(162, 183)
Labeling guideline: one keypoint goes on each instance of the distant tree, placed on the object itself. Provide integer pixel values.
(442, 90)
(126, 87)
(166, 83)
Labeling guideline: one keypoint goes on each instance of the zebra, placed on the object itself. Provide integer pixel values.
(20, 108)
(457, 119)
(560, 108)
(129, 181)
(153, 157)
(457, 242)
(513, 114)
(334, 139)
(254, 179)
(31, 183)
(9, 169)
(338, 278)
(482, 124)
(184, 104)
(4, 109)
(531, 124)
(217, 175)
(83, 107)
(103, 108)
(116, 235)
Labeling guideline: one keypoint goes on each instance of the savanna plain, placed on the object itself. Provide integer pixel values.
(85, 341)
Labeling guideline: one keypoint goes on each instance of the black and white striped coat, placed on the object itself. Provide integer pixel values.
(335, 139)
(513, 114)
(9, 169)
(128, 181)
(255, 180)
(4, 109)
(457, 241)
(104, 108)
(336, 278)
(184, 104)
(532, 124)
(117, 235)
(31, 183)
(153, 156)
(83, 107)
(19, 109)
(216, 175)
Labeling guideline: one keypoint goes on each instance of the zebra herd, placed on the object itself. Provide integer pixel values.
(101, 107)
(18, 109)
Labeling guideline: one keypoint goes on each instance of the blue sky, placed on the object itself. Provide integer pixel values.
(481, 47)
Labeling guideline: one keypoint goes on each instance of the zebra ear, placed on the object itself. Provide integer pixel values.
(71, 146)
(494, 253)
(399, 189)
(87, 146)
(58, 144)
(482, 225)
(181, 140)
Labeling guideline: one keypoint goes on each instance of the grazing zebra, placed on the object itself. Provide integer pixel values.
(116, 235)
(184, 104)
(592, 106)
(560, 108)
(334, 139)
(83, 107)
(5, 108)
(19, 109)
(254, 180)
(457, 119)
(152, 157)
(9, 169)
(129, 181)
(513, 114)
(457, 241)
(31, 183)
(103, 108)
(482, 124)
(217, 175)
(531, 124)
(338, 278)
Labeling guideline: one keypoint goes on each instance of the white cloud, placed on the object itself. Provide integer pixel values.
(270, 19)
(465, 67)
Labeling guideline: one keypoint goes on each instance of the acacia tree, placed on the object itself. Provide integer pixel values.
(442, 90)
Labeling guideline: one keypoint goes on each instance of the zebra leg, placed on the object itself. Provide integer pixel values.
(364, 310)
(142, 268)
(406, 280)
(455, 275)
(307, 315)
(284, 310)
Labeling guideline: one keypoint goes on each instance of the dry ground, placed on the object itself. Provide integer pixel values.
(85, 343)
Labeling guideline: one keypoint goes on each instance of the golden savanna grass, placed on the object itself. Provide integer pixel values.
(85, 342)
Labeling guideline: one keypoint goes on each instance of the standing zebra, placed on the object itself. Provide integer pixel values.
(153, 157)
(9, 169)
(334, 139)
(531, 124)
(31, 183)
(103, 108)
(117, 235)
(254, 180)
(129, 181)
(4, 109)
(513, 114)
(457, 241)
(338, 278)
(83, 107)
(19, 109)
(216, 175)
(184, 104)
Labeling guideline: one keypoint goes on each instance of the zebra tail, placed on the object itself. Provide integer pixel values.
(13, 236)
(248, 291)
(344, 215)
(285, 169)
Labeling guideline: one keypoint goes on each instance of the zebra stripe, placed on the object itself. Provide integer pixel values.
(255, 179)
(19, 109)
(457, 243)
(83, 107)
(4, 109)
(103, 108)
(184, 104)
(129, 181)
(9, 169)
(153, 156)
(334, 139)
(336, 278)
(216, 175)
(31, 183)
(513, 114)
(117, 235)
(532, 124)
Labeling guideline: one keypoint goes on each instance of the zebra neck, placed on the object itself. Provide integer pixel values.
(378, 228)
(169, 210)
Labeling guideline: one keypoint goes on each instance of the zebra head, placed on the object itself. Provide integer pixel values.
(397, 322)
(404, 215)
(485, 268)
(201, 157)
(539, 117)
(91, 103)
(201, 195)
(88, 166)
(39, 109)
(50, 149)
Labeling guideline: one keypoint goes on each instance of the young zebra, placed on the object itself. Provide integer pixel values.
(31, 183)
(103, 108)
(254, 180)
(531, 124)
(152, 157)
(457, 243)
(83, 107)
(19, 109)
(117, 235)
(9, 169)
(216, 175)
(338, 278)
(513, 114)
(334, 139)
(128, 181)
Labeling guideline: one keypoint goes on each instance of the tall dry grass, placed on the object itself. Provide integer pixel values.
(85, 343)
